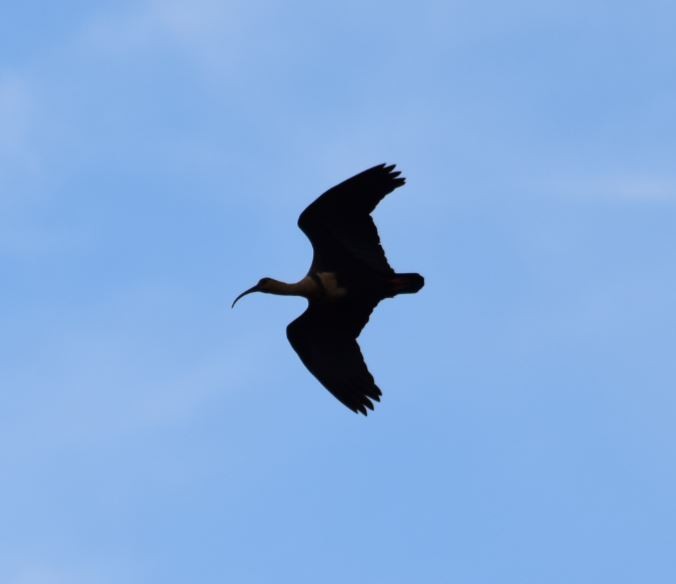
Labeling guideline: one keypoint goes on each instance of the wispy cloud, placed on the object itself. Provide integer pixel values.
(637, 187)
(82, 571)
(212, 34)
(16, 107)
(21, 167)
(642, 187)
(102, 372)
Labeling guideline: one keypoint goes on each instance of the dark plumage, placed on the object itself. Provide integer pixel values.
(348, 277)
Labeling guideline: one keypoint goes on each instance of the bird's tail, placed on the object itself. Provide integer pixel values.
(406, 283)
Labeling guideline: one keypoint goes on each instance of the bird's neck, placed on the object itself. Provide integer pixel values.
(306, 288)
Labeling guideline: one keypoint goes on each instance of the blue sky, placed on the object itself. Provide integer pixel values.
(154, 157)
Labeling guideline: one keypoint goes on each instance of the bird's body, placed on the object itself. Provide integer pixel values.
(348, 277)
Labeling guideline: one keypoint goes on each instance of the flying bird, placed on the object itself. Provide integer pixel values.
(348, 277)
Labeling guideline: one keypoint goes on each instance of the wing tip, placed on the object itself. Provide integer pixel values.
(367, 403)
(393, 175)
(363, 406)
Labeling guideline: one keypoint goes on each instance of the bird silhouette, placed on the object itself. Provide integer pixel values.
(348, 277)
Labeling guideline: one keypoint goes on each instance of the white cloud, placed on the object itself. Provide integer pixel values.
(21, 167)
(637, 187)
(36, 571)
(643, 187)
(43, 575)
(16, 110)
(212, 34)
(99, 377)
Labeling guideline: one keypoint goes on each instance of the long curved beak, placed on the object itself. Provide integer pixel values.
(249, 291)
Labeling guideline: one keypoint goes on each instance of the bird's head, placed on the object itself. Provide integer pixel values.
(263, 285)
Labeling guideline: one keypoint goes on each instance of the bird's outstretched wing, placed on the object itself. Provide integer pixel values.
(339, 223)
(325, 338)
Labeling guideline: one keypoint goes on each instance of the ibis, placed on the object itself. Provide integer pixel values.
(348, 277)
